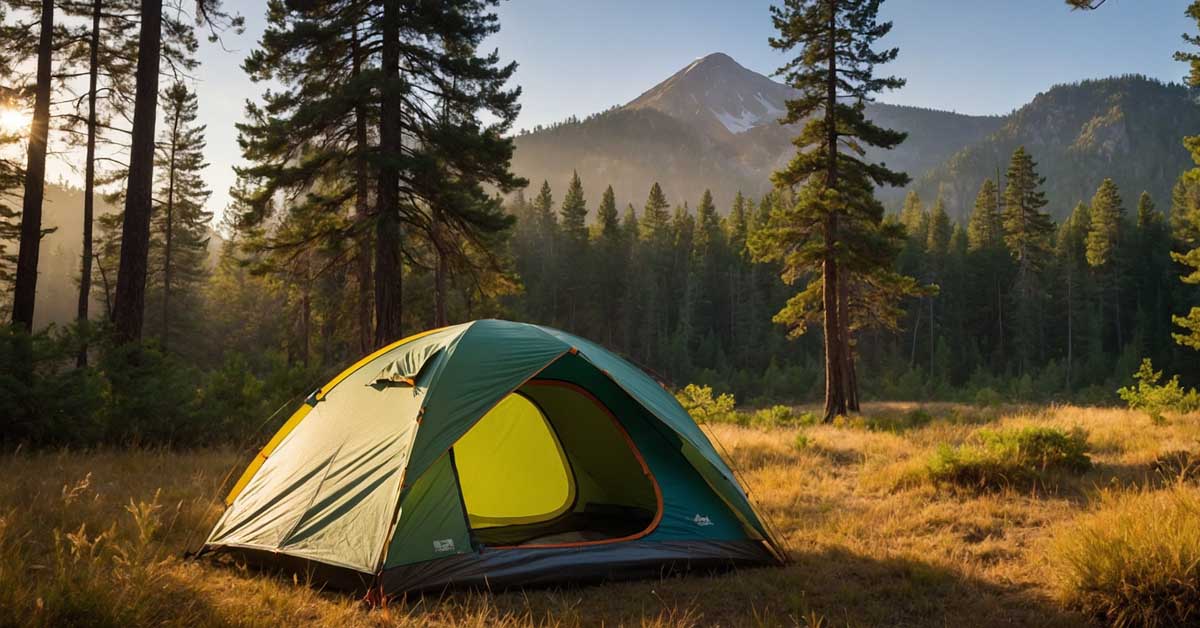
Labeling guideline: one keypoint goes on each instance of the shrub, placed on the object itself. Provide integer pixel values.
(988, 397)
(780, 416)
(1135, 559)
(1154, 398)
(774, 416)
(802, 441)
(704, 408)
(1010, 457)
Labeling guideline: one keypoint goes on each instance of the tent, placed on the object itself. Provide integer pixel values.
(495, 454)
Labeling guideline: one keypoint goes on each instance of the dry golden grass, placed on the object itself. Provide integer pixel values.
(95, 538)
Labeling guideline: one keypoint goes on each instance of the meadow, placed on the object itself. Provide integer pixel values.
(906, 515)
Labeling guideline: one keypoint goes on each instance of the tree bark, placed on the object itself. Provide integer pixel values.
(851, 382)
(130, 301)
(439, 271)
(89, 184)
(25, 288)
(167, 237)
(389, 309)
(362, 212)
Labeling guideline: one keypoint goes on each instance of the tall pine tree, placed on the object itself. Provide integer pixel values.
(832, 226)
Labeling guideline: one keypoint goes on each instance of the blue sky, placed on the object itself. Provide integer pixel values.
(581, 56)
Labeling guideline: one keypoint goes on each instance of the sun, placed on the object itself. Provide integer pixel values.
(13, 120)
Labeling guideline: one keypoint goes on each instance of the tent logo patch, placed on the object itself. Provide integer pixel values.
(702, 520)
(443, 545)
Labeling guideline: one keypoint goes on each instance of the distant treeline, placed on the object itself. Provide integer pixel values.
(1023, 308)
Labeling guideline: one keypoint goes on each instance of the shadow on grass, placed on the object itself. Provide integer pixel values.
(833, 587)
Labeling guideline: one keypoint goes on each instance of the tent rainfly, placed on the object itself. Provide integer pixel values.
(494, 454)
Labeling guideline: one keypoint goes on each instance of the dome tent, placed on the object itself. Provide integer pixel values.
(489, 453)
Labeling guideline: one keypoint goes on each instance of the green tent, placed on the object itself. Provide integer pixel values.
(490, 453)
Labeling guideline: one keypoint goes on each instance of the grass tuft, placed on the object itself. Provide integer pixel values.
(1135, 559)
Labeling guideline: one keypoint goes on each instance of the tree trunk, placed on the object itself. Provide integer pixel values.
(129, 306)
(835, 384)
(362, 213)
(25, 288)
(389, 309)
(847, 349)
(89, 184)
(305, 321)
(912, 358)
(835, 389)
(1070, 325)
(167, 237)
(439, 270)
(1117, 310)
(932, 339)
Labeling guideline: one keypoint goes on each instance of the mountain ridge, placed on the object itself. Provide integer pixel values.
(712, 125)
(709, 125)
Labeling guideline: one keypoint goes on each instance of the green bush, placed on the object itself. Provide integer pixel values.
(704, 407)
(988, 397)
(1134, 560)
(132, 395)
(1012, 457)
(780, 416)
(1154, 398)
(43, 396)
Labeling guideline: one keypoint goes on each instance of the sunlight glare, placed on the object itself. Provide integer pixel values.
(13, 120)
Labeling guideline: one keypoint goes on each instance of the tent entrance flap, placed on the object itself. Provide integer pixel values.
(551, 466)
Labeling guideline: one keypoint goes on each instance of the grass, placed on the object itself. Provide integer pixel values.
(96, 537)
(1026, 456)
(1135, 559)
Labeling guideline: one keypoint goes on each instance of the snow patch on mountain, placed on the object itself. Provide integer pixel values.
(737, 124)
(773, 111)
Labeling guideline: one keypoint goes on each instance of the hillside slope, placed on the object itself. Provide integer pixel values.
(1127, 128)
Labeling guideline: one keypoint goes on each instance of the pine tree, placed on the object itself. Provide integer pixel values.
(653, 223)
(709, 264)
(630, 297)
(179, 229)
(1190, 221)
(130, 294)
(985, 229)
(834, 223)
(575, 258)
(1071, 254)
(1027, 231)
(737, 226)
(937, 249)
(106, 58)
(573, 214)
(610, 264)
(25, 284)
(913, 214)
(432, 157)
(655, 249)
(1150, 264)
(546, 237)
(1103, 246)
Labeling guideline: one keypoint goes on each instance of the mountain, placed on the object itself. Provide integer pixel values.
(1128, 128)
(717, 95)
(713, 124)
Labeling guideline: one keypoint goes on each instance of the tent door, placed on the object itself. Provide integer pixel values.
(550, 466)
